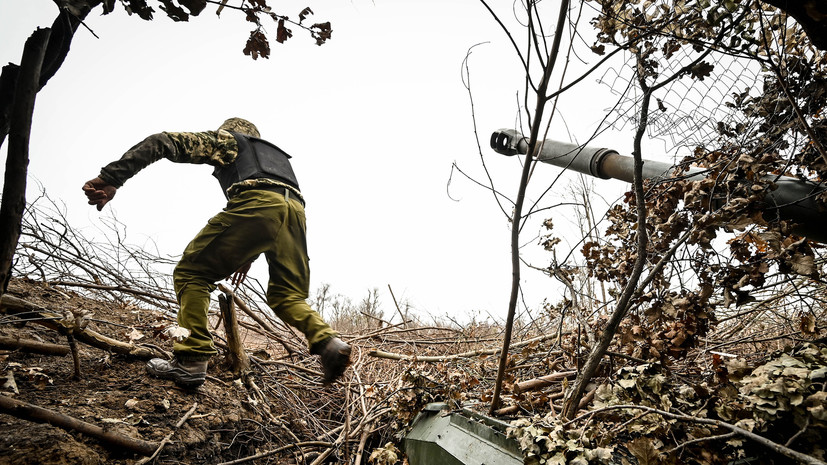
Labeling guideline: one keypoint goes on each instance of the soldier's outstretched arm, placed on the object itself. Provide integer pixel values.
(211, 147)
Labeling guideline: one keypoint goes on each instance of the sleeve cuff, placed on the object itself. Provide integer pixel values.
(109, 179)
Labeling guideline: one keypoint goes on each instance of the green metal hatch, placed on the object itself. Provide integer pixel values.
(440, 436)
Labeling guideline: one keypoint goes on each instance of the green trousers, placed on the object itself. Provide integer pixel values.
(254, 222)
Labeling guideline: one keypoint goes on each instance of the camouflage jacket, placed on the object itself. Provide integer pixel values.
(215, 148)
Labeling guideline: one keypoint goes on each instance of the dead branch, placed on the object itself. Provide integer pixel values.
(510, 410)
(434, 359)
(57, 253)
(289, 365)
(37, 414)
(704, 439)
(13, 305)
(543, 381)
(396, 304)
(329, 450)
(587, 399)
(32, 347)
(276, 451)
(374, 333)
(361, 450)
(473, 353)
(423, 328)
(124, 289)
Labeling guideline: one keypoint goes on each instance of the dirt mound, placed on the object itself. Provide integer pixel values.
(115, 393)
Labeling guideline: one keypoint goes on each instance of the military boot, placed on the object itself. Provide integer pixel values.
(335, 354)
(188, 374)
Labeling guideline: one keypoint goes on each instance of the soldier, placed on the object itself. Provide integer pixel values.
(264, 214)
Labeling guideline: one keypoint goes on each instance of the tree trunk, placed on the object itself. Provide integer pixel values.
(43, 55)
(63, 30)
(17, 162)
(517, 217)
(8, 78)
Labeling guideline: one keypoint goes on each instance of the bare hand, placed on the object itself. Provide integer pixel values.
(241, 274)
(99, 192)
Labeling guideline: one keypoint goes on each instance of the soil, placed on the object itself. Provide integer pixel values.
(115, 393)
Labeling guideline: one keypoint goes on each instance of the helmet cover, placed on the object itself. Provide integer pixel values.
(241, 126)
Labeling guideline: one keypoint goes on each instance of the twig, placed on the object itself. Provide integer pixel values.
(362, 441)
(405, 325)
(474, 353)
(324, 455)
(276, 451)
(73, 346)
(695, 441)
(374, 333)
(168, 437)
(123, 289)
(799, 433)
(347, 417)
(288, 365)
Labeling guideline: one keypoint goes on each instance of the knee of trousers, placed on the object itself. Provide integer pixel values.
(186, 273)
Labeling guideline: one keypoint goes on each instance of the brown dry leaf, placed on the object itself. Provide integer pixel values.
(644, 451)
(38, 378)
(803, 264)
(257, 45)
(679, 339)
(808, 325)
(282, 32)
(387, 455)
(305, 13)
(135, 335)
(10, 385)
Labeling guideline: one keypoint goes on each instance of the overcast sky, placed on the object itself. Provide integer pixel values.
(374, 120)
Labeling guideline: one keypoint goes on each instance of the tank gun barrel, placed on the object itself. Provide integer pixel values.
(792, 199)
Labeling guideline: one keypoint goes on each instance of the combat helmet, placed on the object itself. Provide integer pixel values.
(240, 125)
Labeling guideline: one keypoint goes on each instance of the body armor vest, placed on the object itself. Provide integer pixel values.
(257, 158)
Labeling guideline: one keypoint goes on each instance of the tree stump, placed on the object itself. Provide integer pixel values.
(238, 360)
